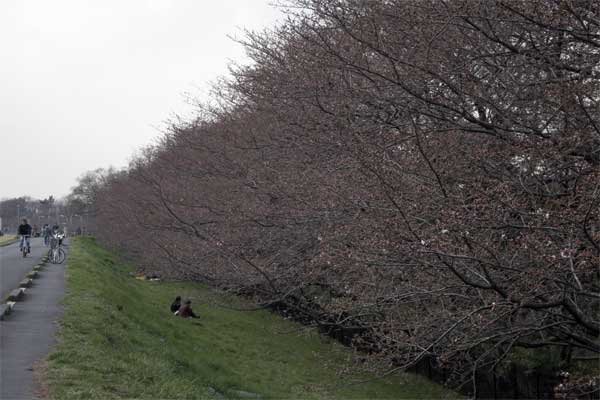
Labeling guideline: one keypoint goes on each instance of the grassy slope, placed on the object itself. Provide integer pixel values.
(118, 340)
(7, 239)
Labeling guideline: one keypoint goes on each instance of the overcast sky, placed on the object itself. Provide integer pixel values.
(86, 83)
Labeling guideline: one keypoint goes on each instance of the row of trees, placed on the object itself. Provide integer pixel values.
(69, 212)
(424, 172)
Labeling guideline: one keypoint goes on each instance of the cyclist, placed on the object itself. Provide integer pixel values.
(25, 232)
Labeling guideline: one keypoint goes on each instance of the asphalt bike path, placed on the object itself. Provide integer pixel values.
(27, 334)
(13, 267)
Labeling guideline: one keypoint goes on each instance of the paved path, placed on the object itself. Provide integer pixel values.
(13, 267)
(28, 333)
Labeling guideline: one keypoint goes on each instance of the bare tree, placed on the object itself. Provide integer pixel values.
(425, 173)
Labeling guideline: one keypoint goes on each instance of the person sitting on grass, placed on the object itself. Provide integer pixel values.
(185, 311)
(176, 304)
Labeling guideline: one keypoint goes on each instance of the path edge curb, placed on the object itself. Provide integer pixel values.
(16, 295)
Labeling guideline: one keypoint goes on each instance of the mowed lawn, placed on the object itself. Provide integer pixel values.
(119, 340)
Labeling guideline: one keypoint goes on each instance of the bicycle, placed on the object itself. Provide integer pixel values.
(56, 255)
(25, 246)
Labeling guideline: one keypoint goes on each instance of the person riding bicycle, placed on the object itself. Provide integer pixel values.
(25, 232)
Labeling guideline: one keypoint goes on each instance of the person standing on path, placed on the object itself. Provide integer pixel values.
(46, 232)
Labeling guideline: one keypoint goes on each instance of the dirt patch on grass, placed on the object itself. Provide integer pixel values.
(40, 385)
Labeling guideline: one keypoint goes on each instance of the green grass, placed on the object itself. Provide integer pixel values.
(7, 239)
(119, 340)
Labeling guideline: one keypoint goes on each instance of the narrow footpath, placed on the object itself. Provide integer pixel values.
(13, 267)
(27, 334)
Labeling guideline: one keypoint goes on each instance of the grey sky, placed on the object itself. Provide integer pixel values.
(84, 84)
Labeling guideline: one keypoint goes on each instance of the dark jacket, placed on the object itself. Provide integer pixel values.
(25, 229)
(175, 306)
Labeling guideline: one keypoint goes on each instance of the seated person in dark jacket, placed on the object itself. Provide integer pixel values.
(186, 310)
(176, 304)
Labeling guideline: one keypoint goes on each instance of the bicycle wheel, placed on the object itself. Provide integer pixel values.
(53, 256)
(60, 256)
